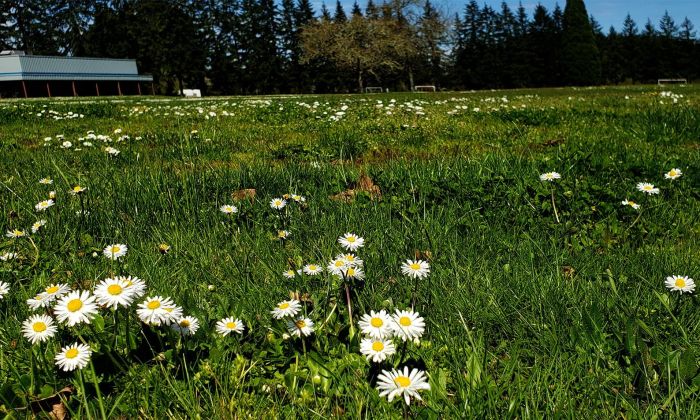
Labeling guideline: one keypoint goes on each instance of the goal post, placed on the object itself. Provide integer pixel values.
(374, 89)
(424, 88)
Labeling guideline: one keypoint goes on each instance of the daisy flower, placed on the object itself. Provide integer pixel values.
(286, 308)
(313, 269)
(396, 383)
(163, 248)
(228, 209)
(174, 314)
(38, 328)
(43, 205)
(187, 325)
(4, 289)
(351, 242)
(353, 273)
(550, 176)
(7, 256)
(278, 203)
(351, 259)
(114, 292)
(39, 301)
(230, 325)
(55, 291)
(290, 274)
(75, 356)
(337, 266)
(300, 326)
(680, 283)
(75, 307)
(630, 203)
(298, 198)
(673, 174)
(15, 233)
(408, 325)
(417, 269)
(377, 350)
(38, 225)
(647, 188)
(135, 285)
(76, 190)
(283, 234)
(153, 311)
(115, 251)
(46, 181)
(376, 324)
(52, 195)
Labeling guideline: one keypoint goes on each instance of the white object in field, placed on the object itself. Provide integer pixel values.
(374, 89)
(192, 93)
(424, 88)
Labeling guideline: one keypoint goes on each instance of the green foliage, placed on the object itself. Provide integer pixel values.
(526, 317)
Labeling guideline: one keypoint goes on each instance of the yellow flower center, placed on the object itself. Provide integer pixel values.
(300, 324)
(632, 203)
(402, 381)
(405, 321)
(415, 266)
(351, 239)
(312, 267)
(339, 263)
(72, 353)
(283, 305)
(349, 258)
(77, 188)
(231, 325)
(673, 172)
(153, 305)
(184, 323)
(351, 272)
(377, 346)
(114, 289)
(39, 327)
(278, 203)
(51, 290)
(75, 305)
(376, 322)
(647, 187)
(680, 282)
(115, 249)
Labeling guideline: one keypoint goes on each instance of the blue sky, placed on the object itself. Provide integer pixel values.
(607, 12)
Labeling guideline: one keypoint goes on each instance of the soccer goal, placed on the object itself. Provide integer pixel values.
(374, 89)
(662, 82)
(424, 88)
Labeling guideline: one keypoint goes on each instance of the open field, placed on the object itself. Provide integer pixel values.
(543, 298)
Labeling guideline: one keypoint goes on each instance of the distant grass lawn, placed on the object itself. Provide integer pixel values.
(543, 299)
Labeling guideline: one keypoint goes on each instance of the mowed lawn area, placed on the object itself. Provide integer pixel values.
(515, 296)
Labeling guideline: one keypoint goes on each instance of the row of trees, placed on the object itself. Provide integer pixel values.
(262, 46)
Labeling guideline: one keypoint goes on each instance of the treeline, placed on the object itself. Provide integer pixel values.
(264, 46)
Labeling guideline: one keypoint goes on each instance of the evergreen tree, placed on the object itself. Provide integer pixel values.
(325, 13)
(629, 27)
(579, 55)
(667, 26)
(371, 11)
(339, 16)
(687, 32)
(431, 34)
(356, 11)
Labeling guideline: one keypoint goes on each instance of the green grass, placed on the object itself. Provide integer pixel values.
(526, 317)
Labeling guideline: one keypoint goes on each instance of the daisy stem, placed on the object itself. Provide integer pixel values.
(635, 221)
(97, 390)
(349, 303)
(554, 206)
(82, 389)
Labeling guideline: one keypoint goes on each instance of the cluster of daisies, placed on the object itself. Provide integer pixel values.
(675, 283)
(88, 140)
(71, 308)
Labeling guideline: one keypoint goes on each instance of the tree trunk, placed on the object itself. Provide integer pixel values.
(410, 77)
(359, 76)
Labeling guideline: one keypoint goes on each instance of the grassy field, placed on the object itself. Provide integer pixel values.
(544, 298)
